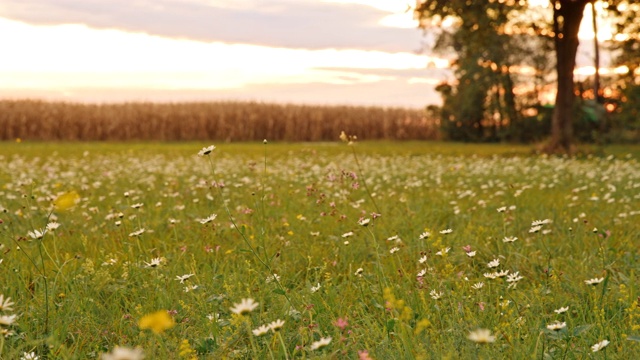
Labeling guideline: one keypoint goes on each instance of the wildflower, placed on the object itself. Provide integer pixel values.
(494, 263)
(190, 288)
(509, 239)
(502, 209)
(561, 310)
(5, 304)
(184, 278)
(557, 326)
(422, 259)
(246, 306)
(7, 320)
(540, 222)
(206, 150)
(347, 234)
(260, 330)
(393, 238)
(359, 272)
(158, 322)
(490, 275)
(599, 346)
(481, 336)
(424, 235)
(422, 273)
(29, 356)
(124, 353)
(446, 231)
(155, 262)
(364, 222)
(272, 278)
(364, 355)
(594, 281)
(342, 323)
(443, 251)
(52, 226)
(394, 250)
(316, 288)
(514, 277)
(37, 234)
(208, 219)
(320, 343)
(66, 201)
(137, 206)
(535, 229)
(137, 233)
(477, 286)
(276, 325)
(471, 253)
(435, 295)
(502, 273)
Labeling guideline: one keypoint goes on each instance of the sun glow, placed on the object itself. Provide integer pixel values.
(76, 56)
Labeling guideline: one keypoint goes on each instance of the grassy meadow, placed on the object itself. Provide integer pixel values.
(374, 250)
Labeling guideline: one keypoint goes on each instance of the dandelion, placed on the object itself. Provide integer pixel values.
(246, 306)
(561, 310)
(208, 219)
(557, 326)
(599, 346)
(124, 353)
(5, 304)
(446, 231)
(155, 262)
(66, 201)
(594, 281)
(262, 330)
(509, 239)
(435, 295)
(494, 263)
(481, 336)
(320, 343)
(158, 322)
(276, 325)
(206, 150)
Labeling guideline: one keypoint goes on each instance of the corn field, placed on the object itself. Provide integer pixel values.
(220, 121)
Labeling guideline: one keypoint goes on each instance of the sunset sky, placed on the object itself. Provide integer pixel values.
(363, 52)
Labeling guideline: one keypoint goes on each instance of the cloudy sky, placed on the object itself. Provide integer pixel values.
(297, 51)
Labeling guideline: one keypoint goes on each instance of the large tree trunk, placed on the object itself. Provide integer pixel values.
(567, 15)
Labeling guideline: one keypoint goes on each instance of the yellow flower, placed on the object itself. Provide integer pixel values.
(66, 201)
(158, 322)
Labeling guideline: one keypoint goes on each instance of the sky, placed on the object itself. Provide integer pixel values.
(353, 52)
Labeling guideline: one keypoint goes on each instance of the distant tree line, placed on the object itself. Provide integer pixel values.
(507, 54)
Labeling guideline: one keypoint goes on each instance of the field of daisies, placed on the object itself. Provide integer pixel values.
(337, 251)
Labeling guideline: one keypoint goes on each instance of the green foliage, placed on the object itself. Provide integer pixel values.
(296, 211)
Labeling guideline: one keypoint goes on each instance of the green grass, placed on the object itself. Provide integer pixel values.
(286, 209)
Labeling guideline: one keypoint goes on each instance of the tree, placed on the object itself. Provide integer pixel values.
(565, 24)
